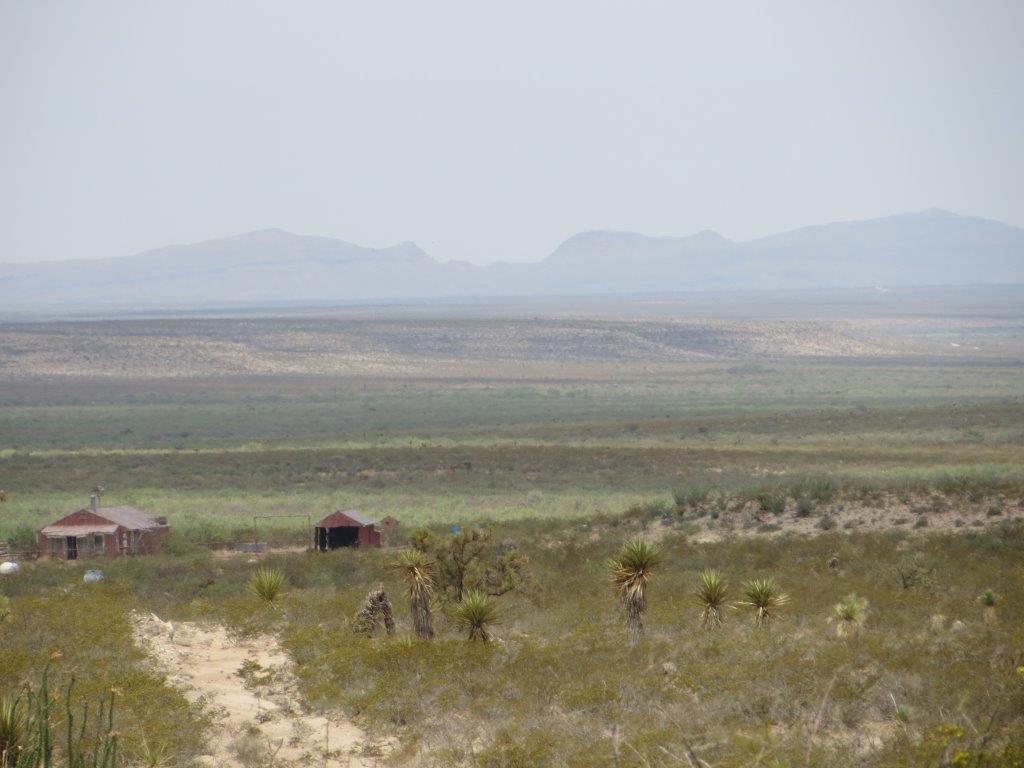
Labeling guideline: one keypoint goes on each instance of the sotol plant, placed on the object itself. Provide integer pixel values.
(849, 614)
(418, 571)
(632, 569)
(989, 600)
(267, 584)
(764, 596)
(475, 614)
(711, 590)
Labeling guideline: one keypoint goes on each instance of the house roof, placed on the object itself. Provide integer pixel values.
(338, 519)
(87, 529)
(127, 516)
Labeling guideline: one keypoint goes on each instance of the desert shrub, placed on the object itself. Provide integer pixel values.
(690, 495)
(98, 652)
(30, 724)
(771, 501)
(22, 539)
(821, 489)
(471, 559)
(804, 507)
(921, 522)
(825, 523)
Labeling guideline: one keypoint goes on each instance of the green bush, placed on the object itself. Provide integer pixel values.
(825, 523)
(804, 507)
(771, 501)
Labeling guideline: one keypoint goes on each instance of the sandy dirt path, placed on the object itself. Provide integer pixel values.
(259, 718)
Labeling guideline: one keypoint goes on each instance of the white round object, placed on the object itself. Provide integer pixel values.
(91, 577)
(9, 569)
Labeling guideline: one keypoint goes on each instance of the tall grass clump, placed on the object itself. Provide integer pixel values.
(765, 597)
(476, 614)
(711, 591)
(418, 571)
(632, 569)
(849, 614)
(267, 584)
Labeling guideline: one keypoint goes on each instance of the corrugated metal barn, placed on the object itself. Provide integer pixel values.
(345, 528)
(102, 532)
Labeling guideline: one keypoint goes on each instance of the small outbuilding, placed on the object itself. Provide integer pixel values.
(102, 532)
(345, 528)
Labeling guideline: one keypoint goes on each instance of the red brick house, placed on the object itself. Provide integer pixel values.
(345, 528)
(102, 532)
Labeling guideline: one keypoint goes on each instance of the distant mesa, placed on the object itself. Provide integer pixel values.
(273, 266)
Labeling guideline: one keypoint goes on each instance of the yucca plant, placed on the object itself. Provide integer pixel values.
(989, 599)
(475, 614)
(764, 596)
(12, 730)
(419, 570)
(632, 569)
(267, 583)
(711, 590)
(849, 614)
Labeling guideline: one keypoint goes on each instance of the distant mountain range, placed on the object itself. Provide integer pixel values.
(272, 266)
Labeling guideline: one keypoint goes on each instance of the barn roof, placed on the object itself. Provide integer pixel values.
(345, 517)
(86, 529)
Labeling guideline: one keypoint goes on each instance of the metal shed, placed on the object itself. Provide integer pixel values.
(345, 528)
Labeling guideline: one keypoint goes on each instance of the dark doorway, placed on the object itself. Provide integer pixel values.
(333, 538)
(72, 547)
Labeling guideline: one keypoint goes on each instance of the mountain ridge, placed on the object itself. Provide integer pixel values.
(930, 247)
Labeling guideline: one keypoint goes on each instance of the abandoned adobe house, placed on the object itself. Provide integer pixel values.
(102, 532)
(345, 528)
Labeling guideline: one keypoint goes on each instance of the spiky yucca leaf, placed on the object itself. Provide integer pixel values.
(764, 596)
(267, 583)
(632, 569)
(475, 614)
(711, 591)
(418, 572)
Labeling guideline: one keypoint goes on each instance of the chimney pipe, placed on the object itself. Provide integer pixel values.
(93, 502)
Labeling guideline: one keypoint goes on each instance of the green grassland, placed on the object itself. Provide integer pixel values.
(210, 453)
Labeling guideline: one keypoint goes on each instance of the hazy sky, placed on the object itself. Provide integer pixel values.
(489, 131)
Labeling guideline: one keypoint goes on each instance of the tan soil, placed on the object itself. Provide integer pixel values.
(264, 722)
